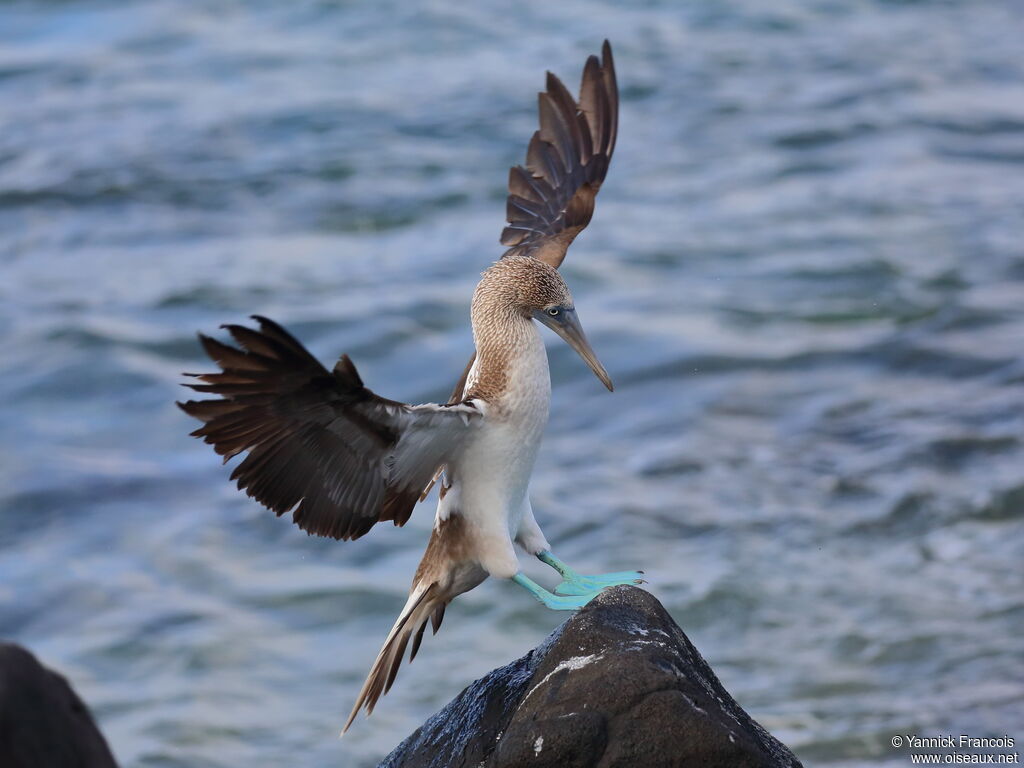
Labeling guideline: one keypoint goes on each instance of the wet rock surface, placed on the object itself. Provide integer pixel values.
(618, 684)
(43, 722)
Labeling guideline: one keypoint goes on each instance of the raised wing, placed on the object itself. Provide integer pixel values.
(319, 443)
(551, 197)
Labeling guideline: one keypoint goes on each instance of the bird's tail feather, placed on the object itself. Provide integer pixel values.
(425, 603)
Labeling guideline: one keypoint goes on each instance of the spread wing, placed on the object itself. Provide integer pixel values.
(319, 443)
(551, 197)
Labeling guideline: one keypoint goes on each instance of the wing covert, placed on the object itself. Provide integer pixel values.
(319, 443)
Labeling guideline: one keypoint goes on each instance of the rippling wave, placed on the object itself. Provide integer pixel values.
(805, 276)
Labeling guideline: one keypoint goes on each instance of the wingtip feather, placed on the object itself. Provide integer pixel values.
(572, 150)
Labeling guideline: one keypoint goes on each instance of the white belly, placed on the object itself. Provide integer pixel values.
(491, 477)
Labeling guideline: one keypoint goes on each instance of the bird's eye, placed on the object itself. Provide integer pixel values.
(553, 311)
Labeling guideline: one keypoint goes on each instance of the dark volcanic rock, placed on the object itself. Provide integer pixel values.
(618, 684)
(43, 723)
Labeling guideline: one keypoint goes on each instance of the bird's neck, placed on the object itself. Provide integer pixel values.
(510, 355)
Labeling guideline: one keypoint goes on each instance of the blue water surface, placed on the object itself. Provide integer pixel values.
(805, 275)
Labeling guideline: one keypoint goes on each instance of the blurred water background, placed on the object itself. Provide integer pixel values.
(805, 275)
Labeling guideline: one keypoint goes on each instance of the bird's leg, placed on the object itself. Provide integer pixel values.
(578, 584)
(555, 602)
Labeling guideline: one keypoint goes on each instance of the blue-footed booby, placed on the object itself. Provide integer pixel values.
(341, 458)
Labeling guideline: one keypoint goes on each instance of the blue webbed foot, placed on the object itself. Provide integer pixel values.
(566, 602)
(578, 584)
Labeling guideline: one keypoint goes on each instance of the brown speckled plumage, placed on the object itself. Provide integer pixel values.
(502, 308)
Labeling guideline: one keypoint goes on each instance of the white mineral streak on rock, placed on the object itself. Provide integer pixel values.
(576, 662)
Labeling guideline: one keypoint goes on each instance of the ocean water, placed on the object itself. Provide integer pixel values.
(805, 275)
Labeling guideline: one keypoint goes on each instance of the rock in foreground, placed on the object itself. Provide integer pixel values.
(43, 723)
(618, 684)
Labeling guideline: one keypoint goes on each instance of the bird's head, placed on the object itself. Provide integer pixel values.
(535, 290)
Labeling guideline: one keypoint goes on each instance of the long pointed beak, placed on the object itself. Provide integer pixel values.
(567, 325)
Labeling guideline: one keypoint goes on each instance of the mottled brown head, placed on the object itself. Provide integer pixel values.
(523, 285)
(529, 289)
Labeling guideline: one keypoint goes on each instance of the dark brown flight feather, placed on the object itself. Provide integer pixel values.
(551, 197)
(318, 441)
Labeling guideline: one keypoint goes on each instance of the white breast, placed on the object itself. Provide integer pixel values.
(491, 477)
